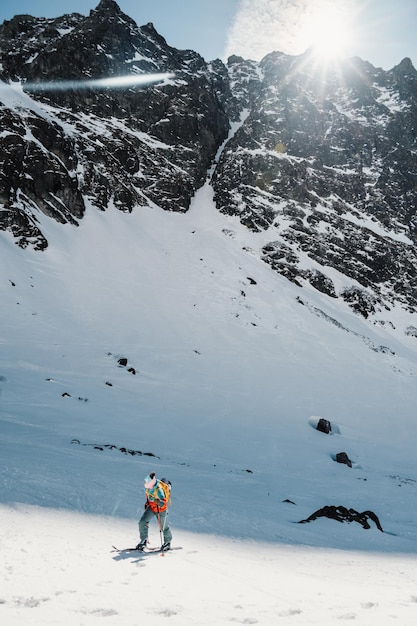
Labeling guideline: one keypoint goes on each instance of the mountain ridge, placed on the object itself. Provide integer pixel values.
(321, 160)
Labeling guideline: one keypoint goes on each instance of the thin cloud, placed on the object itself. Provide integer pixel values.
(262, 26)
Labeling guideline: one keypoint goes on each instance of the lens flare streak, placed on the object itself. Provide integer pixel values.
(114, 82)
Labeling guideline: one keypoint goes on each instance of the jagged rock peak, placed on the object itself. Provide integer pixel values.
(406, 67)
(108, 6)
(107, 12)
(150, 31)
(234, 58)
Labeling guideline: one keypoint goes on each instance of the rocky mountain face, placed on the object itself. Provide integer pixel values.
(327, 163)
(322, 160)
(129, 146)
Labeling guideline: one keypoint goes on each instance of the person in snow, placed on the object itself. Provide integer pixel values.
(156, 505)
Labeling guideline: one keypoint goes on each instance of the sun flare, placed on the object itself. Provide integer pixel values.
(330, 27)
(328, 33)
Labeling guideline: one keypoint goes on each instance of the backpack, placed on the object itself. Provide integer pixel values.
(165, 485)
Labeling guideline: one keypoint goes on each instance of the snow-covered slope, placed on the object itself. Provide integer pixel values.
(135, 339)
(57, 569)
(233, 366)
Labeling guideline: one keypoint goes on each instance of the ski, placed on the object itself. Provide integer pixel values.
(160, 551)
(145, 551)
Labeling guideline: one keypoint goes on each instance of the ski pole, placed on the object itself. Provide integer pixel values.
(160, 527)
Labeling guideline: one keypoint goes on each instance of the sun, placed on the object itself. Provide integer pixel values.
(328, 32)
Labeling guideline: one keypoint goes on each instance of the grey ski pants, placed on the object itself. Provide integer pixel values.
(148, 514)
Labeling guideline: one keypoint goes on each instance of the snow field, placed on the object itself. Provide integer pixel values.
(227, 391)
(57, 568)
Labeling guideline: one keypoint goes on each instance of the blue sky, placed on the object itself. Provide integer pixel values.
(200, 25)
(381, 31)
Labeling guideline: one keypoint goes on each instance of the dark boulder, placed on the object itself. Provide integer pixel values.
(342, 457)
(324, 426)
(342, 514)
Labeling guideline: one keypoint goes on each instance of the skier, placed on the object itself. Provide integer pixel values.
(156, 505)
